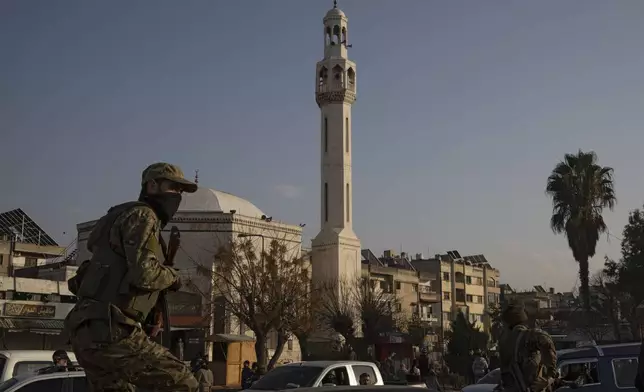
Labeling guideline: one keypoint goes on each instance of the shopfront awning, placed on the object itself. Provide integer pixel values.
(42, 326)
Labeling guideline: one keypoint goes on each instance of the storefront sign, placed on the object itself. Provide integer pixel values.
(184, 309)
(29, 310)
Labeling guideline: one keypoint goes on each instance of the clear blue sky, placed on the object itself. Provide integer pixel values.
(463, 109)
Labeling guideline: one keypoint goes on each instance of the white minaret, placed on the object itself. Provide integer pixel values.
(336, 249)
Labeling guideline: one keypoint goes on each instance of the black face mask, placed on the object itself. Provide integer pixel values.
(165, 205)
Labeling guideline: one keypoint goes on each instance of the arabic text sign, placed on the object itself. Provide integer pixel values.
(29, 310)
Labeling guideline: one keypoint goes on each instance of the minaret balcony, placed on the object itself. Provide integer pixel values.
(339, 86)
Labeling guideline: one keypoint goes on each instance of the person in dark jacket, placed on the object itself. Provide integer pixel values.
(62, 363)
(247, 376)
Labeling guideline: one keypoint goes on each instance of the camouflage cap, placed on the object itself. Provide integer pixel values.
(167, 171)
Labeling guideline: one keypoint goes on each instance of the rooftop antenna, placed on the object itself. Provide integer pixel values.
(197, 176)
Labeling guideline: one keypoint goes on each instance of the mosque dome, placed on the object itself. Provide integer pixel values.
(211, 200)
(335, 12)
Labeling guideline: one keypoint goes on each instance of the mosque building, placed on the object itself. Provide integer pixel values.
(209, 218)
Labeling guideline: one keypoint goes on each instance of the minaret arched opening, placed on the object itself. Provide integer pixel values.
(338, 74)
(327, 36)
(344, 36)
(323, 76)
(336, 35)
(351, 76)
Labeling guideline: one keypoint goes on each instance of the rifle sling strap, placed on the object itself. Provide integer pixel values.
(515, 369)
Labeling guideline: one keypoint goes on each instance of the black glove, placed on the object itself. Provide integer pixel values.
(176, 285)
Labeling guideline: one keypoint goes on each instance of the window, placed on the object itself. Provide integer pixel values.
(491, 298)
(446, 295)
(469, 298)
(326, 135)
(279, 378)
(337, 376)
(289, 344)
(459, 278)
(446, 276)
(1, 259)
(491, 283)
(49, 385)
(348, 201)
(447, 316)
(29, 367)
(31, 261)
(459, 295)
(80, 384)
(475, 318)
(8, 384)
(624, 371)
(398, 285)
(326, 202)
(581, 371)
(468, 279)
(368, 370)
(346, 134)
(414, 288)
(479, 299)
(478, 281)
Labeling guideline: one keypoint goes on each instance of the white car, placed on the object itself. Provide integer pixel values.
(18, 362)
(317, 374)
(73, 381)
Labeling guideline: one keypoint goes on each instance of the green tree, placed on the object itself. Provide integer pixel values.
(463, 338)
(626, 275)
(496, 322)
(580, 190)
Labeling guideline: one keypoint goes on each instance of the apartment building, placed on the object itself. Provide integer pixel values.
(467, 284)
(416, 290)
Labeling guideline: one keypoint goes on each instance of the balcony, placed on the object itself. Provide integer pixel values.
(429, 318)
(426, 294)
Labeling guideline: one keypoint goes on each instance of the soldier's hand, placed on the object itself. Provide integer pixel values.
(176, 285)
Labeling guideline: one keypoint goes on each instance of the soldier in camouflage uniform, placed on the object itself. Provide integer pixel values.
(118, 287)
(527, 356)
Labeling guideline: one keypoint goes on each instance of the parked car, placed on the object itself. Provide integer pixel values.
(362, 388)
(317, 374)
(486, 383)
(53, 382)
(609, 368)
(18, 362)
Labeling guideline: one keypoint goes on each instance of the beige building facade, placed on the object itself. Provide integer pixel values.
(467, 284)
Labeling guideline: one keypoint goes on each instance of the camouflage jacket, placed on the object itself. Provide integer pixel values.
(531, 353)
(135, 236)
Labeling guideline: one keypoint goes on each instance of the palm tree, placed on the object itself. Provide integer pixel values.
(580, 190)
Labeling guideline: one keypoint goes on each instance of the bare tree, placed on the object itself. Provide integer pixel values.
(303, 322)
(337, 309)
(349, 306)
(260, 289)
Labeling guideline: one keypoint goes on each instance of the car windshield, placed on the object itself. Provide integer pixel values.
(493, 377)
(280, 377)
(8, 384)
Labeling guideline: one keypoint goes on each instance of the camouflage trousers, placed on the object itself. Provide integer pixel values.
(130, 362)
